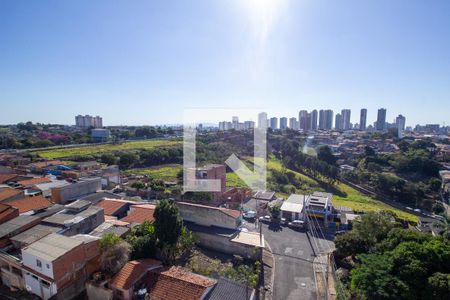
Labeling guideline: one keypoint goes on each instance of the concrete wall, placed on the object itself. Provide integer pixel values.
(225, 245)
(98, 293)
(206, 216)
(76, 190)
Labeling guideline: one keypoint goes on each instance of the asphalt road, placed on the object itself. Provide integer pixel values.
(293, 263)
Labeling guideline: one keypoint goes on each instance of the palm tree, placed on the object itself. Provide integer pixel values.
(444, 224)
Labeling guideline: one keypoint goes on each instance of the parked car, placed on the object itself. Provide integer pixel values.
(417, 210)
(296, 224)
(265, 219)
(283, 221)
(251, 214)
(409, 208)
(339, 232)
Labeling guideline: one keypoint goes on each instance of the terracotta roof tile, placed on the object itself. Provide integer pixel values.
(230, 212)
(7, 212)
(140, 213)
(132, 272)
(30, 203)
(6, 177)
(33, 181)
(177, 283)
(110, 206)
(8, 193)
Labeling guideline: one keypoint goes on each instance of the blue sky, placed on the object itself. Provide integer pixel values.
(144, 62)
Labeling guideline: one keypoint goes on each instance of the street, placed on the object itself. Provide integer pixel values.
(293, 262)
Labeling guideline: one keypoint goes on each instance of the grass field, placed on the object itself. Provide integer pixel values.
(163, 172)
(105, 148)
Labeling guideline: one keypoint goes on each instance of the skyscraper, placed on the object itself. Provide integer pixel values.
(338, 125)
(345, 114)
(283, 123)
(303, 120)
(262, 120)
(314, 118)
(363, 119)
(293, 124)
(381, 119)
(400, 122)
(326, 119)
(274, 123)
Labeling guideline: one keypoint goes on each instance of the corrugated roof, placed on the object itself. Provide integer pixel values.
(15, 224)
(7, 212)
(30, 203)
(6, 177)
(34, 234)
(176, 283)
(228, 289)
(52, 246)
(133, 271)
(63, 218)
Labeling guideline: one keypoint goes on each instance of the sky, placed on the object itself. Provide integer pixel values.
(146, 62)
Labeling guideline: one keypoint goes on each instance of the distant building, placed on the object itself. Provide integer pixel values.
(338, 122)
(274, 123)
(314, 118)
(64, 194)
(100, 135)
(345, 113)
(363, 119)
(283, 122)
(293, 123)
(88, 121)
(262, 120)
(381, 120)
(400, 124)
(325, 119)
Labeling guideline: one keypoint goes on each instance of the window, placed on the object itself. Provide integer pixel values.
(38, 263)
(48, 266)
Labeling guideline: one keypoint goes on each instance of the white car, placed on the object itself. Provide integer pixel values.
(249, 214)
(265, 219)
(296, 224)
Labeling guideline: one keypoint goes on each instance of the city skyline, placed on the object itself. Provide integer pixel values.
(60, 60)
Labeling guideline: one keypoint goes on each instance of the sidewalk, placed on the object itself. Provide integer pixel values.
(268, 272)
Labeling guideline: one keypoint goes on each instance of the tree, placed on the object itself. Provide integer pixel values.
(108, 159)
(139, 185)
(444, 224)
(115, 253)
(142, 240)
(324, 153)
(349, 244)
(373, 227)
(168, 224)
(438, 286)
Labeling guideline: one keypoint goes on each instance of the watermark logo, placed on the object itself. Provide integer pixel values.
(255, 179)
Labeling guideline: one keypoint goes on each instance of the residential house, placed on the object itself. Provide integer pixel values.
(28, 183)
(78, 217)
(114, 207)
(10, 194)
(140, 213)
(15, 226)
(319, 205)
(177, 283)
(293, 207)
(132, 277)
(209, 215)
(30, 204)
(84, 187)
(228, 289)
(7, 212)
(57, 264)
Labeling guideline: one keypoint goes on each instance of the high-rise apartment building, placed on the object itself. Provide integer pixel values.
(262, 120)
(88, 121)
(345, 114)
(363, 119)
(293, 124)
(283, 123)
(274, 123)
(338, 124)
(381, 120)
(314, 117)
(325, 119)
(302, 119)
(400, 122)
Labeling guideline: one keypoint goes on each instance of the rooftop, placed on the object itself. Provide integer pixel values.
(132, 271)
(15, 224)
(30, 203)
(7, 212)
(52, 246)
(65, 218)
(110, 206)
(34, 181)
(8, 193)
(34, 234)
(140, 213)
(230, 212)
(264, 195)
(177, 283)
(228, 289)
(6, 177)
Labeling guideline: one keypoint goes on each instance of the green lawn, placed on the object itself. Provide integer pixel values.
(95, 149)
(163, 172)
